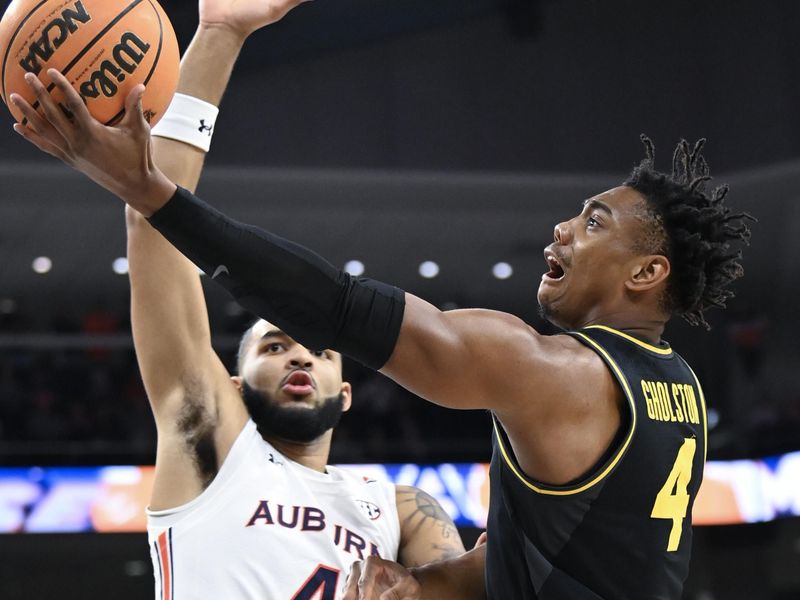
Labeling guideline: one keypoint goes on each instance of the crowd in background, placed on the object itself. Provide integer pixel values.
(85, 403)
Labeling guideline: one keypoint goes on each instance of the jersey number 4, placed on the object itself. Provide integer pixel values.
(672, 502)
(321, 585)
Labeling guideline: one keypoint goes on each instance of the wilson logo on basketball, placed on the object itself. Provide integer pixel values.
(53, 36)
(127, 55)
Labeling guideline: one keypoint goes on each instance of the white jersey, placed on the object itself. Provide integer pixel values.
(268, 528)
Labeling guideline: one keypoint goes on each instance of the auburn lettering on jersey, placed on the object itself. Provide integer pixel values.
(268, 527)
(309, 518)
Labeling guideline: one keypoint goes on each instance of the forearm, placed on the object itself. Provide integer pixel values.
(460, 578)
(205, 72)
(295, 289)
(206, 69)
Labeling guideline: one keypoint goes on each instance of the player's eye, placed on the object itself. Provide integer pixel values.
(592, 222)
(273, 347)
(320, 353)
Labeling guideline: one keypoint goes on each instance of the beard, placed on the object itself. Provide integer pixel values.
(288, 422)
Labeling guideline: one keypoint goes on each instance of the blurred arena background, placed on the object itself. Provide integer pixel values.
(451, 134)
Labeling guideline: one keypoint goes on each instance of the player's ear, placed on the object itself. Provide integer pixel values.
(347, 396)
(237, 381)
(648, 272)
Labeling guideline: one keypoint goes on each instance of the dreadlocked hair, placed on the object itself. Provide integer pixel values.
(692, 228)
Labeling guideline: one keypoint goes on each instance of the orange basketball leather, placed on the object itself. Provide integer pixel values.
(104, 48)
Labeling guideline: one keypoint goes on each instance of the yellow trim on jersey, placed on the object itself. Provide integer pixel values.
(703, 407)
(630, 338)
(610, 466)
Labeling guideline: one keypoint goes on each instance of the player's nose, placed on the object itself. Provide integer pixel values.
(562, 233)
(300, 357)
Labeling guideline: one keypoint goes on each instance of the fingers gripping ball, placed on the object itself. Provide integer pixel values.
(103, 47)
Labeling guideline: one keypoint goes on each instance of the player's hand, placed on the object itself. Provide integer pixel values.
(244, 16)
(379, 579)
(117, 158)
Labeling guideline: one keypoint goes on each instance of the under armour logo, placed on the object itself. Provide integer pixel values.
(203, 127)
(273, 460)
(219, 271)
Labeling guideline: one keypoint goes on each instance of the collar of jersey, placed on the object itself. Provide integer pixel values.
(662, 350)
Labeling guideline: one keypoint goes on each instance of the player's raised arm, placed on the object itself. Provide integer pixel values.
(169, 317)
(311, 300)
(168, 311)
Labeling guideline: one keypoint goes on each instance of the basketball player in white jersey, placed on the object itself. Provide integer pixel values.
(244, 505)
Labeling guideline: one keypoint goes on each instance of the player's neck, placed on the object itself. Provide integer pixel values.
(313, 455)
(649, 328)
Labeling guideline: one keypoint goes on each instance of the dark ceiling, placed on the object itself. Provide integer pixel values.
(508, 85)
(397, 132)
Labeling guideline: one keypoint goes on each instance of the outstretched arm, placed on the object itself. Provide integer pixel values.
(168, 311)
(424, 349)
(170, 322)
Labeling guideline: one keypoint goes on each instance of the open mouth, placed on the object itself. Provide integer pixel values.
(298, 383)
(556, 271)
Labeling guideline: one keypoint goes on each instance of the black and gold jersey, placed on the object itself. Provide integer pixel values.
(623, 532)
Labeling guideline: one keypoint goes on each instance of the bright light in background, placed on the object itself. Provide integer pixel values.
(502, 270)
(355, 268)
(429, 269)
(712, 418)
(120, 266)
(42, 265)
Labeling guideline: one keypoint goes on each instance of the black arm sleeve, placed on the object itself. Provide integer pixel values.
(288, 285)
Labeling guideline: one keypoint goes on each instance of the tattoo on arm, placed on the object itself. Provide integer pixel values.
(424, 511)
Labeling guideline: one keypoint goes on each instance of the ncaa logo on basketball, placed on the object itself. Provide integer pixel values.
(103, 47)
(53, 36)
(372, 511)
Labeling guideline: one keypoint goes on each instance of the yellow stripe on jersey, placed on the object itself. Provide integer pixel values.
(611, 464)
(703, 408)
(664, 351)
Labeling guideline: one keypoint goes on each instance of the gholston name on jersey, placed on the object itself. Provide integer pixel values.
(670, 401)
(53, 36)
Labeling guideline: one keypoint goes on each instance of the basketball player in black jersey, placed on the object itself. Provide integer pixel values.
(600, 432)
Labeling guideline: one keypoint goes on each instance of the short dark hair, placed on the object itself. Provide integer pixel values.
(244, 344)
(692, 228)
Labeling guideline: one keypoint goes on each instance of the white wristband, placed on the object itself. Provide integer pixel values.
(189, 120)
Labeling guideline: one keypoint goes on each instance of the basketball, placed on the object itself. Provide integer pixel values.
(103, 47)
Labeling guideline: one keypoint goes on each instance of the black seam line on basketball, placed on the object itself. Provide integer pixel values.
(118, 117)
(88, 47)
(10, 44)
